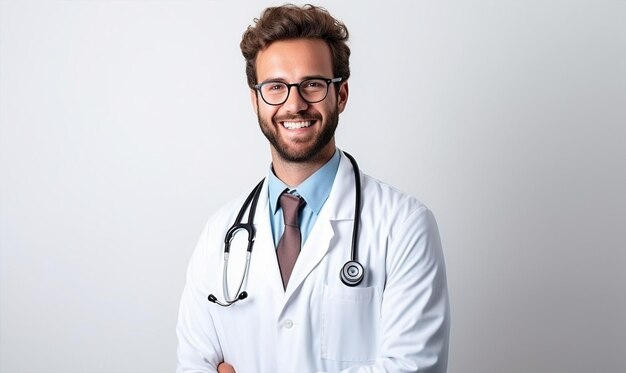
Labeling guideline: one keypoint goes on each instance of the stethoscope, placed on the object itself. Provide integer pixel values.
(351, 273)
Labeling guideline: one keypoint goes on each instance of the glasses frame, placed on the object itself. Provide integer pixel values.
(258, 87)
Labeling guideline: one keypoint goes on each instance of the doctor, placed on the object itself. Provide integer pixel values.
(296, 314)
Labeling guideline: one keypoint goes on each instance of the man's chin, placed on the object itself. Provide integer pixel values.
(296, 156)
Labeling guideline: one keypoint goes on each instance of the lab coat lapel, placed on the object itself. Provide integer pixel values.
(338, 206)
(314, 249)
(264, 243)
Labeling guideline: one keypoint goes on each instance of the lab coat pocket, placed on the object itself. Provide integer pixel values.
(350, 322)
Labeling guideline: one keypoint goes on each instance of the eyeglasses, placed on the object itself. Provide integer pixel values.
(275, 92)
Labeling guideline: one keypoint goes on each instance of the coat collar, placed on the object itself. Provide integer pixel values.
(340, 203)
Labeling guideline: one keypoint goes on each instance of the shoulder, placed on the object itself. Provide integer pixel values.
(396, 215)
(228, 209)
(384, 197)
(224, 217)
(211, 239)
(406, 225)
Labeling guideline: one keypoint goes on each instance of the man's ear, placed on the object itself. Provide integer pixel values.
(255, 100)
(342, 97)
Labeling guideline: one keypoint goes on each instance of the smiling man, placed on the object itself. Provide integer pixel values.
(300, 126)
(338, 272)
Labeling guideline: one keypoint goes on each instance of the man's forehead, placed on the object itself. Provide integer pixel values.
(294, 57)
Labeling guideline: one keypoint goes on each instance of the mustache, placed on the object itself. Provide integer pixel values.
(297, 117)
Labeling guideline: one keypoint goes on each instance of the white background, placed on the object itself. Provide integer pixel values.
(125, 124)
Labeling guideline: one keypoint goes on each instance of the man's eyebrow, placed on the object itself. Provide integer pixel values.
(277, 79)
(315, 77)
(273, 80)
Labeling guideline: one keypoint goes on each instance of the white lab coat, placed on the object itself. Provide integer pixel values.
(396, 320)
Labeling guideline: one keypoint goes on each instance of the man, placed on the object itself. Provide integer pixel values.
(295, 314)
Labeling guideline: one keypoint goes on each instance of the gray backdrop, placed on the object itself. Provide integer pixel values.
(125, 124)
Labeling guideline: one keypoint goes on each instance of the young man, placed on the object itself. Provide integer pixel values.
(290, 310)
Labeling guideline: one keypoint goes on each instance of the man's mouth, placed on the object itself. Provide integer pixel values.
(292, 125)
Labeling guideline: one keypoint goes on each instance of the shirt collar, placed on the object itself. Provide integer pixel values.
(315, 189)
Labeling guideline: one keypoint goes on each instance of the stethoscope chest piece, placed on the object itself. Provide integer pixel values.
(352, 273)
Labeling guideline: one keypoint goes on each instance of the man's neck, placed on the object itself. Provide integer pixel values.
(294, 173)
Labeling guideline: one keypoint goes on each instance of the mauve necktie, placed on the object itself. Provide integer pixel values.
(289, 244)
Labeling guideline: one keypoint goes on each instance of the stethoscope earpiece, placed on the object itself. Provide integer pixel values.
(243, 295)
(352, 273)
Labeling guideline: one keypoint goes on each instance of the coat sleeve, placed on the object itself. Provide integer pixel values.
(198, 349)
(415, 309)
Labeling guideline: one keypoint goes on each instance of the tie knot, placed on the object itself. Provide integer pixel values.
(291, 205)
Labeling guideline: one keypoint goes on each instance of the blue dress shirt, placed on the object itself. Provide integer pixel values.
(315, 191)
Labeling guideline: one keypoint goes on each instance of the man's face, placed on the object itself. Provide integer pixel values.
(299, 131)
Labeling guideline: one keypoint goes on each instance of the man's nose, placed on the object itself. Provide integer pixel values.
(295, 103)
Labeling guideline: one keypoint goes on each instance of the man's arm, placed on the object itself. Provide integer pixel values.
(415, 309)
(198, 346)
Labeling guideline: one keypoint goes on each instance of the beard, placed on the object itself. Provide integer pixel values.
(305, 154)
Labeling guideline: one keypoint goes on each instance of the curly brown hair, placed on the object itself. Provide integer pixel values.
(293, 22)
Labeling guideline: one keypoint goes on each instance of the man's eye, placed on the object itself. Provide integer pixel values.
(275, 87)
(313, 84)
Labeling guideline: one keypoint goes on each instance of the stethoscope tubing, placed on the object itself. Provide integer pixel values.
(357, 208)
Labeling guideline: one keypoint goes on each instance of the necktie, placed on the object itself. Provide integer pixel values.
(289, 244)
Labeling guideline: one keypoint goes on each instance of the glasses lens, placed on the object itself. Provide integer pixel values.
(313, 90)
(274, 93)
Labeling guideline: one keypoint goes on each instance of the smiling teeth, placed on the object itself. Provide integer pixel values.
(296, 125)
